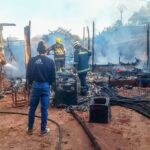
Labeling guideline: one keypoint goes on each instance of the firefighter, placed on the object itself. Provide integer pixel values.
(59, 54)
(81, 65)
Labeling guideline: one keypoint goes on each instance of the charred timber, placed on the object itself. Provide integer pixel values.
(122, 82)
(87, 131)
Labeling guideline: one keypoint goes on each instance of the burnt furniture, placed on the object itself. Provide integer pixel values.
(66, 89)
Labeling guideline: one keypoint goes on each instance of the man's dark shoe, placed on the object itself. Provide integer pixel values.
(47, 130)
(30, 131)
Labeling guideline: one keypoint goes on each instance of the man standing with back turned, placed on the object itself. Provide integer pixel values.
(40, 75)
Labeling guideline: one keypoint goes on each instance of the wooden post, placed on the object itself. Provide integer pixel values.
(83, 36)
(148, 54)
(88, 38)
(93, 51)
(27, 43)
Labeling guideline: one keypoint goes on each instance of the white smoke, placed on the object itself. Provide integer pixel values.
(12, 70)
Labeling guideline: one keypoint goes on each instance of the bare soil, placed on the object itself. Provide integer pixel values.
(127, 130)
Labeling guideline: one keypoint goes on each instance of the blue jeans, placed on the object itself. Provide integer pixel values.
(40, 92)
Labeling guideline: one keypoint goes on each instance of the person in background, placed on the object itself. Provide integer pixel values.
(59, 54)
(81, 65)
(40, 75)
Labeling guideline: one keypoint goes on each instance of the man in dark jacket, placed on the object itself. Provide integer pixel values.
(40, 75)
(81, 64)
(59, 54)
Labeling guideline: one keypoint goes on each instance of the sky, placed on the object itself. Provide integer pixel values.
(71, 15)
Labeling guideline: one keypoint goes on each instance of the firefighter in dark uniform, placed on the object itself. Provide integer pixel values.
(59, 54)
(81, 65)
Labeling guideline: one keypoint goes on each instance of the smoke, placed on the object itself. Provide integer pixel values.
(15, 66)
(124, 42)
(12, 70)
(67, 40)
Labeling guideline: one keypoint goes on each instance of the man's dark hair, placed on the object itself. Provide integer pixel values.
(41, 47)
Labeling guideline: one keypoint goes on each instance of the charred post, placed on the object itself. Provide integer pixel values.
(88, 33)
(83, 36)
(27, 43)
(93, 51)
(148, 63)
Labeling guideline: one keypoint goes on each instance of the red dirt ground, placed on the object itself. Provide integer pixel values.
(127, 130)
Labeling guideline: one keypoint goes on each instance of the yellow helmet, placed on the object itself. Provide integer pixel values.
(58, 40)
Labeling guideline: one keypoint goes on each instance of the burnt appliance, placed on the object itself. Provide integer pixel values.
(66, 89)
(100, 111)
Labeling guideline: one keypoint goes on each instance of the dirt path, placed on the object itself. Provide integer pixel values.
(13, 131)
(127, 131)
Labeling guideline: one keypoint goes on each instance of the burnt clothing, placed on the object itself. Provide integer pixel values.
(59, 51)
(41, 69)
(81, 60)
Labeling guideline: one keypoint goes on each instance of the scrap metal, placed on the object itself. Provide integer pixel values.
(19, 93)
